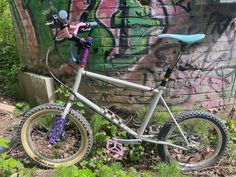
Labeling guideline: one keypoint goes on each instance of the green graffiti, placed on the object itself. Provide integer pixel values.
(131, 18)
(103, 42)
(136, 26)
(38, 11)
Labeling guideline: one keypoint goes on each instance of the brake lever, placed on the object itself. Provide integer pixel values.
(49, 23)
(84, 29)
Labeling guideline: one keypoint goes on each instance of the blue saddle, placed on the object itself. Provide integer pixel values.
(189, 39)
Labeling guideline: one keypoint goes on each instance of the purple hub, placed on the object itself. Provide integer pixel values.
(57, 129)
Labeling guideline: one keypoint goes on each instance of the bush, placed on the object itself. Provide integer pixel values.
(9, 60)
(169, 170)
(72, 171)
(10, 166)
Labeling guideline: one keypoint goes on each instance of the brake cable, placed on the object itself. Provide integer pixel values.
(49, 68)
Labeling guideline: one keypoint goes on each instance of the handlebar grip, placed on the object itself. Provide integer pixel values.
(92, 24)
(63, 16)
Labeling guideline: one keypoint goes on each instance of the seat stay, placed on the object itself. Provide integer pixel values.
(189, 39)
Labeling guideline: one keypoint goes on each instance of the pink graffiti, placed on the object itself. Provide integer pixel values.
(218, 103)
(180, 17)
(211, 87)
(77, 7)
(105, 11)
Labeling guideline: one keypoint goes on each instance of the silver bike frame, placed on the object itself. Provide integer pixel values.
(112, 117)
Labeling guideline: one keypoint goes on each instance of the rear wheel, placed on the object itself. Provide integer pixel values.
(74, 145)
(205, 132)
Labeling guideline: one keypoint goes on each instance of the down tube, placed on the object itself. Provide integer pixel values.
(106, 114)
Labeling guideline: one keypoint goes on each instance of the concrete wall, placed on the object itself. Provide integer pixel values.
(125, 46)
(36, 88)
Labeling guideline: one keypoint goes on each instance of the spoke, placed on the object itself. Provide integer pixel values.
(42, 124)
(65, 148)
(202, 146)
(45, 126)
(35, 128)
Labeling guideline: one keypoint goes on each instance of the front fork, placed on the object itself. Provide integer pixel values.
(60, 120)
(74, 89)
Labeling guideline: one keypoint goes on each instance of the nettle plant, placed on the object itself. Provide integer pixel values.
(10, 166)
(9, 60)
(63, 95)
(231, 125)
(171, 170)
(21, 108)
(73, 171)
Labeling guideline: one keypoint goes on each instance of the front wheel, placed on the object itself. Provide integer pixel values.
(74, 145)
(206, 134)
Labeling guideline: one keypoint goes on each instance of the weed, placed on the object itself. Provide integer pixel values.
(231, 125)
(9, 166)
(72, 171)
(136, 153)
(98, 160)
(86, 173)
(159, 117)
(30, 172)
(64, 94)
(115, 169)
(9, 61)
(12, 81)
(132, 171)
(100, 165)
(103, 130)
(4, 142)
(56, 153)
(21, 108)
(147, 174)
(104, 166)
(169, 170)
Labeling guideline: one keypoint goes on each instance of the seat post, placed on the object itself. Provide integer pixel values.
(173, 64)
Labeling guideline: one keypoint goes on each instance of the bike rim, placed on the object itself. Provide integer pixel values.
(38, 154)
(208, 158)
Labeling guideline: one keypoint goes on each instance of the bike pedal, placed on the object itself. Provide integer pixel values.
(154, 129)
(115, 149)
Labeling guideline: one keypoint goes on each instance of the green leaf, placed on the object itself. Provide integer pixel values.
(100, 138)
(113, 130)
(14, 163)
(86, 173)
(4, 155)
(4, 142)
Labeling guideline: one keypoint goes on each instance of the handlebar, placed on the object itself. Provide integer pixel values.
(60, 21)
(70, 32)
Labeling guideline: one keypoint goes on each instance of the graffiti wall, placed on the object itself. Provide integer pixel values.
(125, 46)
